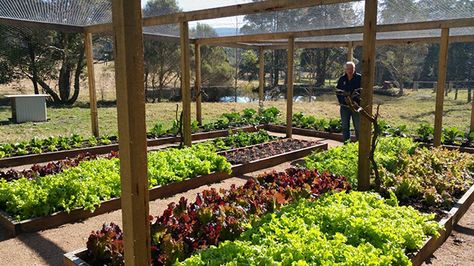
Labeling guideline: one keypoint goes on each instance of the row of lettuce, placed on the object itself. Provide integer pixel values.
(86, 181)
(59, 143)
(308, 216)
(249, 116)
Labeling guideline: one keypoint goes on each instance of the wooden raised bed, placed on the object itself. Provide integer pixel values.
(77, 257)
(41, 223)
(58, 155)
(451, 147)
(307, 132)
(447, 223)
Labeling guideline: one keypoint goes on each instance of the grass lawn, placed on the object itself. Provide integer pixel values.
(411, 109)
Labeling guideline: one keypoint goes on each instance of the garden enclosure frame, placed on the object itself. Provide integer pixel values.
(129, 28)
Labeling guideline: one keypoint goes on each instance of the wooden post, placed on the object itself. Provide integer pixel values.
(289, 89)
(261, 77)
(91, 78)
(472, 110)
(350, 51)
(129, 79)
(197, 62)
(185, 82)
(442, 65)
(368, 73)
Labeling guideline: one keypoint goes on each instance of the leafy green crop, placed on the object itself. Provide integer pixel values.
(422, 177)
(356, 228)
(342, 160)
(94, 181)
(241, 139)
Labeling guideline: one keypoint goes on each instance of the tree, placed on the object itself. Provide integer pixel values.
(318, 60)
(42, 56)
(215, 68)
(161, 57)
(403, 62)
(249, 65)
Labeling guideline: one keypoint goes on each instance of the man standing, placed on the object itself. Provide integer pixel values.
(349, 83)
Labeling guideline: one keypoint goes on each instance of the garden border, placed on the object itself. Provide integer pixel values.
(306, 132)
(338, 136)
(103, 149)
(41, 223)
(431, 245)
(455, 214)
(451, 147)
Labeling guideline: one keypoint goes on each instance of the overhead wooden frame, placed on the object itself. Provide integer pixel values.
(412, 26)
(41, 25)
(227, 11)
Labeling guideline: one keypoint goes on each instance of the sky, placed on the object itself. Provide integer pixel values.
(230, 22)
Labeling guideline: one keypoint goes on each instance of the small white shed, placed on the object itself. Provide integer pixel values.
(28, 108)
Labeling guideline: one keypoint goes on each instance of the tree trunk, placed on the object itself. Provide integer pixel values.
(34, 71)
(77, 76)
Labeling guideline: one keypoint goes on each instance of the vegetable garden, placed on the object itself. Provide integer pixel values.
(252, 187)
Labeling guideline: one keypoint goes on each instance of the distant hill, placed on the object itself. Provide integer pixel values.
(225, 31)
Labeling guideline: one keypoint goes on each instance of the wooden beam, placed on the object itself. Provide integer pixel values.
(289, 87)
(427, 25)
(278, 45)
(442, 66)
(350, 52)
(280, 35)
(91, 78)
(197, 62)
(40, 25)
(237, 10)
(185, 82)
(129, 75)
(261, 77)
(464, 22)
(368, 73)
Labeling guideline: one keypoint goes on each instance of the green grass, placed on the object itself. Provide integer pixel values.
(411, 109)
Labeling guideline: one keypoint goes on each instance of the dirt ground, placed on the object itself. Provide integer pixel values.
(47, 247)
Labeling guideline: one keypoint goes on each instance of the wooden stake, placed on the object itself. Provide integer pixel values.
(185, 82)
(197, 62)
(442, 66)
(261, 77)
(91, 79)
(289, 93)
(350, 52)
(129, 78)
(368, 71)
(472, 110)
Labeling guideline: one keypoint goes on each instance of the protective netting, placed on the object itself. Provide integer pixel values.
(66, 12)
(91, 12)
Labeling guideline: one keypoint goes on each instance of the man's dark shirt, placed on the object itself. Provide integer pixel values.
(349, 86)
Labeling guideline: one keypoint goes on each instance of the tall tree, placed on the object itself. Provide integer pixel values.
(216, 69)
(42, 56)
(161, 57)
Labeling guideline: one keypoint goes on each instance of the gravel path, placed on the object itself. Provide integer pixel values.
(47, 247)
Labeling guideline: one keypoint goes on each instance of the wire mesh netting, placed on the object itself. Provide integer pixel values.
(91, 12)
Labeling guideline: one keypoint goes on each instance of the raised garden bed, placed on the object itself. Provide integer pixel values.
(31, 225)
(306, 132)
(452, 147)
(447, 223)
(77, 257)
(53, 156)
